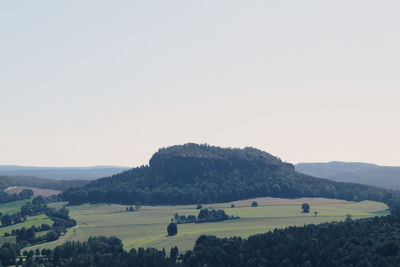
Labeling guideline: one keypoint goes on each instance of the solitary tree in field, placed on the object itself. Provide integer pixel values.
(172, 229)
(232, 205)
(315, 213)
(199, 207)
(254, 204)
(305, 207)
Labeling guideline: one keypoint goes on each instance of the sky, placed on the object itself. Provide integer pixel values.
(109, 82)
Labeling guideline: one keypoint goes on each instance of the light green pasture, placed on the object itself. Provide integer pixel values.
(147, 227)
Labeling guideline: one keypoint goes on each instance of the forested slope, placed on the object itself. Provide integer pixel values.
(192, 173)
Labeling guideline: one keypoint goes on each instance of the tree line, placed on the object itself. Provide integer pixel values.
(24, 194)
(362, 242)
(205, 215)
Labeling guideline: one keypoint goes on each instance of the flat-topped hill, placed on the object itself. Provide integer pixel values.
(193, 173)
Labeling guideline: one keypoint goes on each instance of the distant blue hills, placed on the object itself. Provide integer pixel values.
(62, 173)
(354, 172)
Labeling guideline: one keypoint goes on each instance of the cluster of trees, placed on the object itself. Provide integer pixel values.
(205, 215)
(213, 215)
(9, 253)
(61, 221)
(27, 236)
(24, 194)
(10, 219)
(33, 228)
(132, 208)
(191, 174)
(364, 242)
(102, 252)
(37, 206)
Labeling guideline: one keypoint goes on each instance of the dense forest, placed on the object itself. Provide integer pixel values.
(192, 173)
(363, 242)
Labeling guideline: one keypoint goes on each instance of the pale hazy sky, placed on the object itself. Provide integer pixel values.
(109, 82)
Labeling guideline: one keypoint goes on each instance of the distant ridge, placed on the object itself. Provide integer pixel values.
(43, 183)
(354, 172)
(61, 173)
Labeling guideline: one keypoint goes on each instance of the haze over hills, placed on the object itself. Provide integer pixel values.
(192, 173)
(354, 172)
(61, 173)
(43, 183)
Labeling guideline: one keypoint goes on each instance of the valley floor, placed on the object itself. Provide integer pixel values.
(147, 227)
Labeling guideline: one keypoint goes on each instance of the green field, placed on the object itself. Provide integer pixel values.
(147, 227)
(37, 220)
(33, 220)
(13, 207)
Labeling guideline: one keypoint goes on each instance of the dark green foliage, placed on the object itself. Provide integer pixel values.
(305, 207)
(254, 204)
(174, 252)
(24, 194)
(130, 209)
(179, 219)
(6, 220)
(213, 215)
(366, 242)
(205, 215)
(23, 234)
(199, 207)
(191, 174)
(172, 229)
(106, 252)
(8, 254)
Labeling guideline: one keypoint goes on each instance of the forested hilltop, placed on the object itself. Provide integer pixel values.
(192, 173)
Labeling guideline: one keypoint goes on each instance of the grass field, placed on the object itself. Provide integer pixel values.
(147, 227)
(32, 220)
